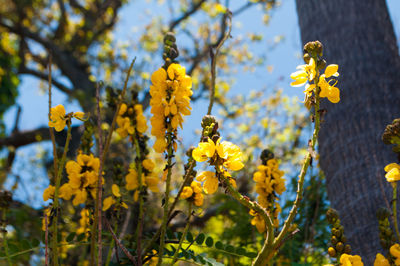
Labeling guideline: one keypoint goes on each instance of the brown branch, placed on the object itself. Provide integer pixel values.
(186, 15)
(43, 76)
(119, 244)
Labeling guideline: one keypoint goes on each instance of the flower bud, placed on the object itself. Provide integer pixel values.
(306, 58)
(339, 247)
(266, 155)
(208, 120)
(332, 252)
(347, 249)
(169, 37)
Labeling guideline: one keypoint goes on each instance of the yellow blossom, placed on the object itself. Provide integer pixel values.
(227, 151)
(258, 221)
(107, 202)
(395, 252)
(170, 101)
(392, 172)
(187, 192)
(349, 260)
(380, 260)
(327, 90)
(48, 193)
(306, 73)
(115, 190)
(57, 118)
(130, 119)
(210, 181)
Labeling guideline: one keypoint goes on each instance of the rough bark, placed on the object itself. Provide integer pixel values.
(359, 37)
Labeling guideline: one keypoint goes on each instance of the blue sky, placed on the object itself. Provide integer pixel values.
(284, 57)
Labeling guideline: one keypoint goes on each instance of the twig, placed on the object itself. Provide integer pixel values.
(167, 192)
(140, 220)
(175, 258)
(119, 244)
(227, 19)
(185, 15)
(99, 181)
(46, 238)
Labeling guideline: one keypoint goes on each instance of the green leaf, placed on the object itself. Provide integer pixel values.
(240, 251)
(189, 237)
(209, 241)
(200, 239)
(35, 242)
(251, 255)
(70, 237)
(219, 245)
(81, 237)
(230, 249)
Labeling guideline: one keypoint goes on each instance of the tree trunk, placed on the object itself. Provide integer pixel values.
(359, 37)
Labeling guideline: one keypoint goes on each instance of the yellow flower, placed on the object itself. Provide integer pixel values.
(328, 91)
(395, 252)
(130, 119)
(84, 222)
(204, 151)
(115, 190)
(148, 164)
(187, 192)
(48, 193)
(57, 118)
(80, 197)
(170, 101)
(210, 181)
(349, 260)
(66, 191)
(107, 202)
(258, 221)
(194, 192)
(392, 172)
(380, 260)
(306, 73)
(227, 151)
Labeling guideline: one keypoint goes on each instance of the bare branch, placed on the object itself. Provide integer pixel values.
(186, 15)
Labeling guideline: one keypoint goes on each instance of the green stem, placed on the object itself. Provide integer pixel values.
(140, 220)
(167, 192)
(185, 181)
(5, 240)
(56, 194)
(394, 205)
(185, 231)
(110, 249)
(267, 251)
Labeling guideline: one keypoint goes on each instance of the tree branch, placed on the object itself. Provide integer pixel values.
(186, 15)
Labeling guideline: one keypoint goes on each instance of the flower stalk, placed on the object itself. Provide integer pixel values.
(56, 195)
(185, 231)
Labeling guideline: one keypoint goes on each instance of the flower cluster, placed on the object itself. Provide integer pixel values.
(149, 179)
(82, 175)
(59, 118)
(223, 155)
(84, 222)
(350, 260)
(395, 252)
(269, 183)
(307, 74)
(392, 172)
(130, 119)
(170, 101)
(193, 193)
(115, 198)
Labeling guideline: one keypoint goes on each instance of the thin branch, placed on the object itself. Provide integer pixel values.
(186, 15)
(214, 56)
(119, 244)
(43, 76)
(99, 183)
